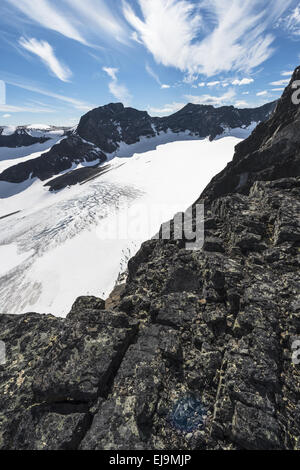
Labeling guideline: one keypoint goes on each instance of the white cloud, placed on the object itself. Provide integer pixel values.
(244, 81)
(46, 53)
(167, 109)
(287, 74)
(118, 90)
(98, 16)
(212, 84)
(48, 16)
(245, 93)
(292, 21)
(277, 89)
(213, 100)
(135, 37)
(281, 82)
(241, 104)
(6, 116)
(111, 72)
(23, 109)
(85, 22)
(234, 36)
(262, 93)
(202, 84)
(154, 75)
(21, 83)
(190, 78)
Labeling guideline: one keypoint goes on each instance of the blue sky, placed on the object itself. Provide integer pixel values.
(60, 58)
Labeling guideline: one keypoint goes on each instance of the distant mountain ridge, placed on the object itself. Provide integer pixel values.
(24, 136)
(111, 124)
(103, 130)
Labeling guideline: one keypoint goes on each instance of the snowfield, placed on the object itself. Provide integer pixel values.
(79, 240)
(13, 156)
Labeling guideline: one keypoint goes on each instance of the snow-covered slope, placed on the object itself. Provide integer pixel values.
(77, 241)
(13, 156)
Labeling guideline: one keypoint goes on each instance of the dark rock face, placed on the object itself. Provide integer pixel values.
(20, 138)
(209, 121)
(270, 153)
(197, 351)
(81, 175)
(233, 322)
(49, 408)
(60, 158)
(109, 125)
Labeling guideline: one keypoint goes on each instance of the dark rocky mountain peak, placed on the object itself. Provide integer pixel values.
(109, 125)
(20, 138)
(271, 152)
(205, 120)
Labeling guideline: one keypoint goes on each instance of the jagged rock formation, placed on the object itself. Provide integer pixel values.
(109, 125)
(20, 138)
(61, 157)
(270, 153)
(102, 130)
(81, 176)
(205, 120)
(197, 352)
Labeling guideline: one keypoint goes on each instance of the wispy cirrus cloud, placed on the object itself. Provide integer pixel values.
(292, 21)
(45, 52)
(23, 109)
(281, 82)
(154, 75)
(85, 22)
(234, 37)
(20, 82)
(49, 16)
(118, 90)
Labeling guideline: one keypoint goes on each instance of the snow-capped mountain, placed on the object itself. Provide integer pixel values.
(24, 136)
(114, 130)
(55, 245)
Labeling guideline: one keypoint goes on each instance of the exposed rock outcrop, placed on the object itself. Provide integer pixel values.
(109, 125)
(197, 354)
(62, 156)
(20, 138)
(270, 153)
(205, 120)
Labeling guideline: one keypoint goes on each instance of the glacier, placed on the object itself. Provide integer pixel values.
(57, 246)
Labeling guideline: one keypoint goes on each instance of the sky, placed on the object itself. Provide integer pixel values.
(61, 58)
